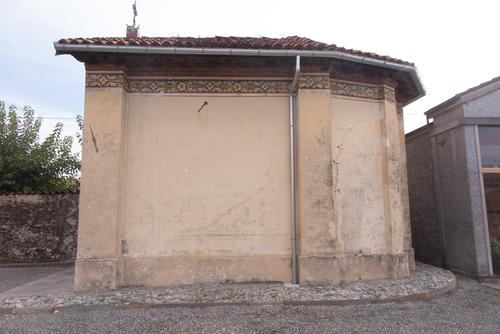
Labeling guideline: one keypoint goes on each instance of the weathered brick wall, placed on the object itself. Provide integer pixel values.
(38, 227)
(423, 211)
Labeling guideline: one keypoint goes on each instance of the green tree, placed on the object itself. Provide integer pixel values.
(28, 164)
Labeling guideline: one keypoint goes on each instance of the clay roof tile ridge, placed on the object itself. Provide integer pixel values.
(286, 43)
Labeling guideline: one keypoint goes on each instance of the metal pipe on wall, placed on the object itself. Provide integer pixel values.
(293, 174)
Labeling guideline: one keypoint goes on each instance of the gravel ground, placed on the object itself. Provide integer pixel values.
(472, 308)
(426, 279)
(13, 276)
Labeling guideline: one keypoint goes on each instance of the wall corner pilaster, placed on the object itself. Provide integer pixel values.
(395, 178)
(317, 230)
(101, 181)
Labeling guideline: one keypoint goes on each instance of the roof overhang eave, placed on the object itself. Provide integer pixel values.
(127, 49)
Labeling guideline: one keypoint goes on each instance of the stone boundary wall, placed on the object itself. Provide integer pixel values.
(38, 227)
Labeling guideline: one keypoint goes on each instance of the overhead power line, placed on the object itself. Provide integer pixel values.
(57, 118)
(74, 118)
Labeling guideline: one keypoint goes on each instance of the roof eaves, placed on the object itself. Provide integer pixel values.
(394, 64)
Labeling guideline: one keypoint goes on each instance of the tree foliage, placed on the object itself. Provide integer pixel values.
(28, 164)
(495, 250)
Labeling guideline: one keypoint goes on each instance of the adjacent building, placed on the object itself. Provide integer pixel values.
(241, 159)
(454, 183)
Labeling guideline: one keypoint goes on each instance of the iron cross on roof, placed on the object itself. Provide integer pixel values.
(134, 8)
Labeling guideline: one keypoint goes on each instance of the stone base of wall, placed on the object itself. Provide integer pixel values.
(101, 274)
(95, 274)
(411, 258)
(349, 268)
(167, 270)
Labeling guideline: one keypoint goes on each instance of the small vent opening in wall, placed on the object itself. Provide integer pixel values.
(124, 247)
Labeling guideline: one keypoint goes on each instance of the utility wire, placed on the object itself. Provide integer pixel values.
(74, 118)
(42, 117)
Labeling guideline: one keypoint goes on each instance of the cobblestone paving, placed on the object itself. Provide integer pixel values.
(425, 280)
(472, 308)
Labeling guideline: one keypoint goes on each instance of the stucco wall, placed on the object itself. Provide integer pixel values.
(213, 183)
(358, 176)
(38, 227)
(370, 200)
(100, 188)
(174, 194)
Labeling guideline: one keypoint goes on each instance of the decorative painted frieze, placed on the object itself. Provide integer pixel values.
(208, 86)
(352, 89)
(389, 94)
(101, 80)
(320, 81)
(399, 107)
(204, 86)
(239, 86)
(364, 91)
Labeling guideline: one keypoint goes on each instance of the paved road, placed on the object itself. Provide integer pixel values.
(11, 277)
(472, 308)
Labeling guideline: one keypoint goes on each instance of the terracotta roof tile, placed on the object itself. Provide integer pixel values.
(286, 43)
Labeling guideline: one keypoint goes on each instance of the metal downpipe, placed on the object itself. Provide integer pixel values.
(293, 173)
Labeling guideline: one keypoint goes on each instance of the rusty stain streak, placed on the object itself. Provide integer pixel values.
(316, 203)
(93, 139)
(341, 147)
(203, 105)
(335, 182)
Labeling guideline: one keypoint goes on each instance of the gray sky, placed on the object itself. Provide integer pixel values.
(454, 44)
